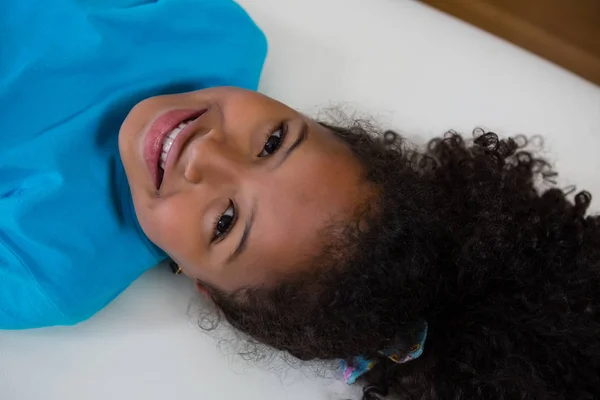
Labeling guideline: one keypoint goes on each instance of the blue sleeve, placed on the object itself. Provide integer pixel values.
(135, 49)
(23, 304)
(217, 37)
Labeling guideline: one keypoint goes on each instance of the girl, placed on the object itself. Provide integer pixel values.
(432, 274)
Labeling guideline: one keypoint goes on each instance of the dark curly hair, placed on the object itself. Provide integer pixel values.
(460, 235)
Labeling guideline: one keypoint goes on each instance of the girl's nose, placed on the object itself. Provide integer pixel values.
(210, 155)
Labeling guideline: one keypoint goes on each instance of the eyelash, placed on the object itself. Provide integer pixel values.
(283, 128)
(217, 237)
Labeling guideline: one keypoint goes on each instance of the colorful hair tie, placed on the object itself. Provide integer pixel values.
(360, 365)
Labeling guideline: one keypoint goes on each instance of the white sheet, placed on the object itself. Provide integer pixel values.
(407, 65)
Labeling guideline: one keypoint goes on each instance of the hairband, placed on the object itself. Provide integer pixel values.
(360, 365)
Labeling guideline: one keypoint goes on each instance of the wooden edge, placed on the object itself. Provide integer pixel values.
(508, 26)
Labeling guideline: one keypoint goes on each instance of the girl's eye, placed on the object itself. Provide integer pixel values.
(225, 222)
(273, 142)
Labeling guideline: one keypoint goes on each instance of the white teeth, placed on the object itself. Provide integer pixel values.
(168, 142)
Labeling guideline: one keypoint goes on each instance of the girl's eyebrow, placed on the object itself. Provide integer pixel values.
(301, 139)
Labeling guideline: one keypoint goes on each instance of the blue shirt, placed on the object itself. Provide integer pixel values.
(70, 70)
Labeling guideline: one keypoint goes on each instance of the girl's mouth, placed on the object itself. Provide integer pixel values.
(162, 142)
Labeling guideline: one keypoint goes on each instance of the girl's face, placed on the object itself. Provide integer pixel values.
(245, 188)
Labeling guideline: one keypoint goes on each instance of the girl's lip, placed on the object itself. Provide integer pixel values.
(153, 138)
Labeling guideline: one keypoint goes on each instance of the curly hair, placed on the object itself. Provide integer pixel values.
(459, 235)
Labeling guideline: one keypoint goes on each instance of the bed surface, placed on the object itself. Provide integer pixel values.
(411, 68)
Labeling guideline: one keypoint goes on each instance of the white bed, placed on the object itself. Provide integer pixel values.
(405, 64)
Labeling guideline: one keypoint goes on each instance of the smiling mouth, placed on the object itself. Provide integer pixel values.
(165, 139)
(167, 144)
